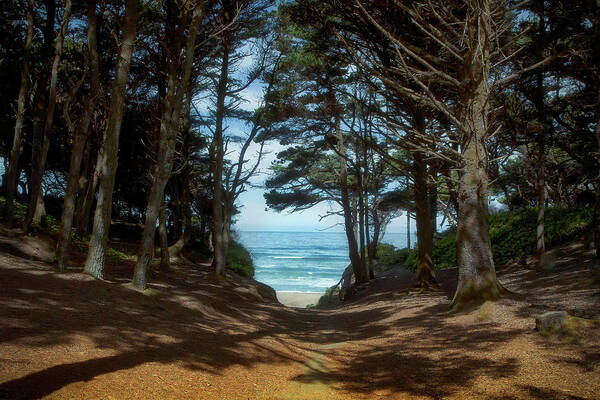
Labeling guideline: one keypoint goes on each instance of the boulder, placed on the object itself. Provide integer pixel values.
(551, 321)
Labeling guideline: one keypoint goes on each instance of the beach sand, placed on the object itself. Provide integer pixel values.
(297, 299)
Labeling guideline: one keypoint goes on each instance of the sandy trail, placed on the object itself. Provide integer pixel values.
(67, 336)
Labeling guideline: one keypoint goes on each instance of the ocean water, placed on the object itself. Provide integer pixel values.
(302, 261)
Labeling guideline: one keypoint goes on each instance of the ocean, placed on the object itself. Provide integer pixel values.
(302, 261)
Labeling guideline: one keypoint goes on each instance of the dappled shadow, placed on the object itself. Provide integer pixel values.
(449, 356)
(188, 318)
(388, 338)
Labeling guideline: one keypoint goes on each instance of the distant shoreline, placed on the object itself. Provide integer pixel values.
(298, 299)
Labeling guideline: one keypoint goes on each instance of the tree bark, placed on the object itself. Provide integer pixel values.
(79, 142)
(355, 261)
(425, 276)
(541, 157)
(476, 271)
(219, 226)
(34, 215)
(94, 264)
(178, 246)
(597, 205)
(432, 192)
(12, 176)
(87, 199)
(165, 262)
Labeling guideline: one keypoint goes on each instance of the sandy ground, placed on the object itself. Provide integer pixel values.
(68, 336)
(297, 299)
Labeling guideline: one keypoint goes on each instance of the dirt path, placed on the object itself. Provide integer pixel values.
(67, 336)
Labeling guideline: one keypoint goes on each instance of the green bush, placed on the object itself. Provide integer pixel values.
(19, 209)
(239, 260)
(330, 298)
(513, 234)
(388, 256)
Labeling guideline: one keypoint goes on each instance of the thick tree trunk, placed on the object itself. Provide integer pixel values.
(476, 271)
(79, 143)
(218, 201)
(12, 176)
(94, 264)
(425, 276)
(34, 215)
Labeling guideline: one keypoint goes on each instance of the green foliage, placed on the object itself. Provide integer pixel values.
(115, 256)
(19, 209)
(513, 234)
(239, 260)
(330, 298)
(388, 256)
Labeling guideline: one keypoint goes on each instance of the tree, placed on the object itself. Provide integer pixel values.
(41, 138)
(17, 146)
(80, 137)
(94, 264)
(456, 75)
(179, 79)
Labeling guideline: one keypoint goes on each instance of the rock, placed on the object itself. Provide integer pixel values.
(346, 283)
(551, 321)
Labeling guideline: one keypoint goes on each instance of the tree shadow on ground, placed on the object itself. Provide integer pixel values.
(191, 320)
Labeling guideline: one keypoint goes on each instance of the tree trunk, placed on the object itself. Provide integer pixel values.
(597, 205)
(94, 264)
(178, 246)
(34, 215)
(219, 226)
(79, 142)
(359, 272)
(476, 271)
(541, 158)
(541, 206)
(425, 276)
(361, 214)
(88, 197)
(432, 192)
(165, 262)
(169, 128)
(12, 176)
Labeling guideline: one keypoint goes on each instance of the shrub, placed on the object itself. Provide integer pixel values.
(330, 298)
(239, 260)
(389, 256)
(19, 209)
(513, 234)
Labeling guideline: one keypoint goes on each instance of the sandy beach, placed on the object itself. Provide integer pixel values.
(298, 299)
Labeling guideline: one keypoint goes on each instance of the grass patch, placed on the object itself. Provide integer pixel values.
(486, 311)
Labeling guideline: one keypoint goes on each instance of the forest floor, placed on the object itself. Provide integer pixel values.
(68, 336)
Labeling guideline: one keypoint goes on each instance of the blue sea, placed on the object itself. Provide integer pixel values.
(302, 261)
